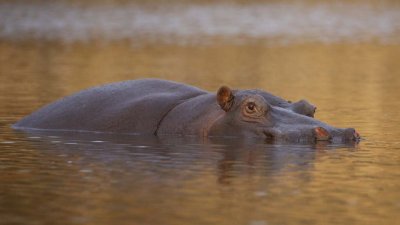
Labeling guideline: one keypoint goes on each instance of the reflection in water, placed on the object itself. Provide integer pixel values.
(78, 174)
(346, 64)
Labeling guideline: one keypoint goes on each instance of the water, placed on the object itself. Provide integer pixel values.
(93, 178)
(281, 22)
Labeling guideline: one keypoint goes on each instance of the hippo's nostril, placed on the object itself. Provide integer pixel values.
(351, 134)
(321, 134)
(356, 135)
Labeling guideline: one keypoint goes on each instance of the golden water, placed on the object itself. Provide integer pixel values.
(83, 178)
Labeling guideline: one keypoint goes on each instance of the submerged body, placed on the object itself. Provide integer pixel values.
(152, 106)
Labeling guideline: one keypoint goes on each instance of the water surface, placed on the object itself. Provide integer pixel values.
(93, 178)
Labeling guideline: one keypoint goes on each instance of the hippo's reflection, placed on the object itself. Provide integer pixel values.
(229, 157)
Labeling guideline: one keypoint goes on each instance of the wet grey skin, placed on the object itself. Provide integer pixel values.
(301, 107)
(159, 107)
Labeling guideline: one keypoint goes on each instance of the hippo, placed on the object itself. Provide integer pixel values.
(160, 107)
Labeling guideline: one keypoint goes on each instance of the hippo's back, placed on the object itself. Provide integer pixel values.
(135, 106)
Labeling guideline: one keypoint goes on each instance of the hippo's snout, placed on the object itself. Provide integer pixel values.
(348, 134)
(315, 134)
(351, 134)
(321, 134)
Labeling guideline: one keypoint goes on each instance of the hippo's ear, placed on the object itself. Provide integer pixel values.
(225, 98)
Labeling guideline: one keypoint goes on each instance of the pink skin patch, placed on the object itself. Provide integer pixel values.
(321, 134)
(356, 135)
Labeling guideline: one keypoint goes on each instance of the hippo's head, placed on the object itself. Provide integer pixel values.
(248, 113)
(303, 107)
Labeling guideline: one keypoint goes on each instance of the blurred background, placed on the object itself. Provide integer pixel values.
(342, 56)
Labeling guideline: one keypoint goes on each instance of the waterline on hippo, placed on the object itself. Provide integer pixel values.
(159, 107)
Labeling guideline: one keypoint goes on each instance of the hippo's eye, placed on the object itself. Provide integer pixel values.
(254, 109)
(250, 106)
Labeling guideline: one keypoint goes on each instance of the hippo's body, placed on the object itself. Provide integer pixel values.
(159, 107)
